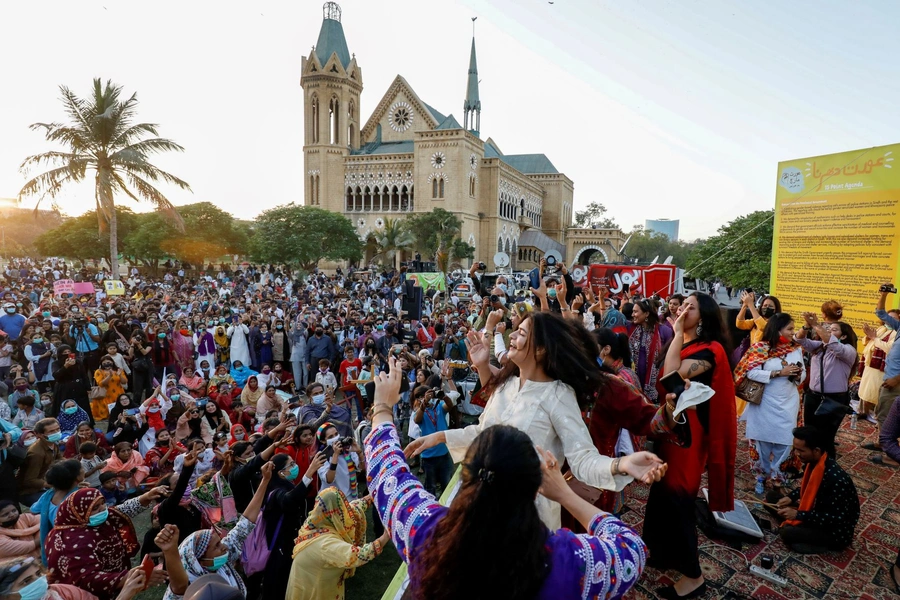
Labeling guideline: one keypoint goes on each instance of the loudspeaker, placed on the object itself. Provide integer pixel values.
(411, 302)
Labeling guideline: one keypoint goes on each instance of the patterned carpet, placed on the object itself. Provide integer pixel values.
(859, 572)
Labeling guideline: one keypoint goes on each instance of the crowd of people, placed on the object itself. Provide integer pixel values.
(267, 419)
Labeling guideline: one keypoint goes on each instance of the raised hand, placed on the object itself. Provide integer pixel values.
(553, 484)
(167, 539)
(479, 352)
(267, 470)
(643, 466)
(387, 385)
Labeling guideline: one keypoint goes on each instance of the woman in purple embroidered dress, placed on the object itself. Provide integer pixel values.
(493, 521)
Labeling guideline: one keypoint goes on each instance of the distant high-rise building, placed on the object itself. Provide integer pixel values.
(668, 227)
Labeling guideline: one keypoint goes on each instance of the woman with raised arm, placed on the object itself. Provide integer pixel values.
(552, 368)
(494, 512)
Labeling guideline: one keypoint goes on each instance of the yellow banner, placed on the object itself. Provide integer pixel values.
(837, 231)
(114, 287)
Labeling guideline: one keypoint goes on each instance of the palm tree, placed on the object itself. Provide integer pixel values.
(101, 137)
(446, 229)
(393, 239)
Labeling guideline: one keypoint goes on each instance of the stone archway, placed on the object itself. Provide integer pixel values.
(590, 255)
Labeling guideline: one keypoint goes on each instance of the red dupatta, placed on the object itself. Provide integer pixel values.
(722, 431)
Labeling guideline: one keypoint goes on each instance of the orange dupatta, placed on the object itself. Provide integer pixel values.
(809, 487)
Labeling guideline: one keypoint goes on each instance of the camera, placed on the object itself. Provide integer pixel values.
(346, 442)
(482, 266)
(437, 393)
(494, 298)
(551, 260)
(887, 288)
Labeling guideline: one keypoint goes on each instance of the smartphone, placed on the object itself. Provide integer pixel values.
(147, 567)
(132, 411)
(329, 452)
(673, 383)
(534, 278)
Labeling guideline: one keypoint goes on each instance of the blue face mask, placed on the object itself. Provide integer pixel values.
(71, 410)
(551, 293)
(99, 518)
(54, 437)
(219, 562)
(35, 590)
(318, 399)
(175, 397)
(293, 473)
(161, 335)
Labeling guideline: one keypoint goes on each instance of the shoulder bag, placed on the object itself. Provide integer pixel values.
(828, 405)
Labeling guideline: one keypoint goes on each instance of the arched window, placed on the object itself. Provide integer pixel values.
(314, 119)
(434, 187)
(412, 197)
(441, 188)
(507, 250)
(395, 199)
(472, 187)
(334, 120)
(404, 199)
(351, 128)
(366, 203)
(500, 245)
(349, 199)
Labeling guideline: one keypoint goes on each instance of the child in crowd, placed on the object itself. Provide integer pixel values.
(112, 488)
(112, 351)
(325, 376)
(92, 463)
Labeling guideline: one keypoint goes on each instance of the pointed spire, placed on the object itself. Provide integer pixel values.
(472, 104)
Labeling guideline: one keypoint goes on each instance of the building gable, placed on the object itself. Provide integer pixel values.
(400, 113)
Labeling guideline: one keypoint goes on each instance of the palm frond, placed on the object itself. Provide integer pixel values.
(143, 168)
(52, 158)
(48, 184)
(133, 133)
(149, 193)
(144, 147)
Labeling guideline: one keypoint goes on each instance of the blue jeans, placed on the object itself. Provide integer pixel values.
(438, 470)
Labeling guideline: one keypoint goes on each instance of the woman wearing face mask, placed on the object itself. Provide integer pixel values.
(298, 356)
(24, 579)
(238, 434)
(321, 408)
(223, 351)
(192, 424)
(287, 505)
(239, 347)
(216, 418)
(91, 545)
(163, 352)
(777, 362)
(240, 373)
(222, 376)
(70, 417)
(756, 324)
(20, 534)
(204, 341)
(265, 345)
(126, 424)
(205, 551)
(160, 459)
(252, 391)
(113, 380)
(830, 365)
(183, 347)
(71, 382)
(647, 337)
(40, 354)
(141, 366)
(193, 382)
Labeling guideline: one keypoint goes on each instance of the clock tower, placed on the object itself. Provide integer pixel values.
(332, 84)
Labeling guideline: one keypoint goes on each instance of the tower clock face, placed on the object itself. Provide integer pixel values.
(400, 116)
(473, 162)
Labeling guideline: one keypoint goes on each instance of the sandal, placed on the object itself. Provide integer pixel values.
(878, 459)
(871, 446)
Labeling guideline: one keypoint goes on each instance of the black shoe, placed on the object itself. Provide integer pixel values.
(669, 593)
(808, 549)
(871, 446)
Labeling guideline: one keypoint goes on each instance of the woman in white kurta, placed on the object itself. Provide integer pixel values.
(878, 346)
(240, 349)
(777, 362)
(533, 393)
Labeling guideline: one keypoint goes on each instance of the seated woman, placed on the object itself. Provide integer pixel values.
(85, 433)
(20, 534)
(70, 417)
(494, 511)
(126, 460)
(91, 545)
(24, 578)
(222, 376)
(331, 545)
(161, 457)
(193, 382)
(205, 551)
(64, 479)
(240, 374)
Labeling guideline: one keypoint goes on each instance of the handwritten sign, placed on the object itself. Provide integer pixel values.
(114, 287)
(63, 286)
(84, 288)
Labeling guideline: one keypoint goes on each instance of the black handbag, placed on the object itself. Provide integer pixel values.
(829, 406)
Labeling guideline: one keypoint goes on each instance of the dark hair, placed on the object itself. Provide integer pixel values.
(570, 355)
(280, 460)
(713, 329)
(42, 425)
(239, 448)
(774, 300)
(271, 422)
(107, 475)
(62, 475)
(771, 334)
(647, 307)
(88, 447)
(627, 310)
(620, 348)
(122, 446)
(299, 431)
(812, 437)
(493, 512)
(25, 400)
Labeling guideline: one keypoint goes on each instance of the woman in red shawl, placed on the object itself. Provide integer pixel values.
(183, 346)
(238, 434)
(303, 450)
(697, 352)
(92, 545)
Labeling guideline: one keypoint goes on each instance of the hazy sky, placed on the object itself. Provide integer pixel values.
(656, 108)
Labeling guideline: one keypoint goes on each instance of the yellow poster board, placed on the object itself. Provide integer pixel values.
(114, 287)
(837, 231)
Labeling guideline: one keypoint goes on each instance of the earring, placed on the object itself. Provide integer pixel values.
(700, 327)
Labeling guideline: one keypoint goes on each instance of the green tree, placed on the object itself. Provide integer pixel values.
(459, 251)
(78, 237)
(740, 254)
(20, 228)
(101, 138)
(393, 239)
(304, 235)
(647, 245)
(435, 232)
(209, 232)
(145, 242)
(594, 216)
